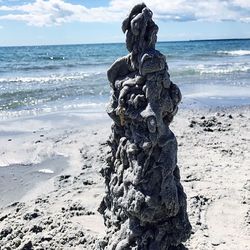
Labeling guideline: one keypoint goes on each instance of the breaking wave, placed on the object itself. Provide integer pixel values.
(240, 52)
(219, 69)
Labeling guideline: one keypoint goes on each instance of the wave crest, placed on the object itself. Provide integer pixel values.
(240, 52)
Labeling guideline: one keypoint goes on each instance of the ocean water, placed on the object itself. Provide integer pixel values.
(41, 79)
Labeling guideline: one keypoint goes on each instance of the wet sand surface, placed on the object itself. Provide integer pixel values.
(18, 180)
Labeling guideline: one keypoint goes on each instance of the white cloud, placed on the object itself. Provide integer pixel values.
(1, 27)
(56, 12)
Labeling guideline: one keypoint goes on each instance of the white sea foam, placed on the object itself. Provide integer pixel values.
(222, 68)
(36, 111)
(240, 52)
(93, 105)
(51, 78)
(46, 171)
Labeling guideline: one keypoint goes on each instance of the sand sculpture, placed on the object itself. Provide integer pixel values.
(145, 205)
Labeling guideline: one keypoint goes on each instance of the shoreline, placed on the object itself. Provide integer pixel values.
(89, 115)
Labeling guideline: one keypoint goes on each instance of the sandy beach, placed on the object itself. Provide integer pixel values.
(51, 187)
(88, 93)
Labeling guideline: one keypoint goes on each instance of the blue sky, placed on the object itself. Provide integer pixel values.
(36, 22)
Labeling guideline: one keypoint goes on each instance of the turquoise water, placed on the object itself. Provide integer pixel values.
(39, 79)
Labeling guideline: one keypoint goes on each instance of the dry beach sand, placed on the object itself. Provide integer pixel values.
(50, 184)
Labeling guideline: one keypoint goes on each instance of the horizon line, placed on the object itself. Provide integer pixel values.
(107, 43)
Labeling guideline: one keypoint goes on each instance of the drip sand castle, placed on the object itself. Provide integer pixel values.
(145, 205)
